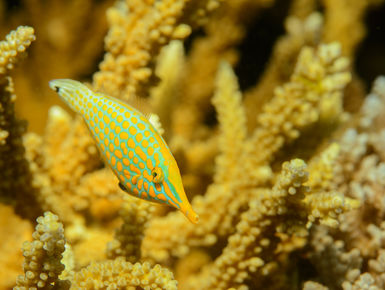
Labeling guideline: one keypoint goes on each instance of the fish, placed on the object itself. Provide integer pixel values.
(130, 145)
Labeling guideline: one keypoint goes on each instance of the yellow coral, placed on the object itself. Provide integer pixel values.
(119, 274)
(60, 27)
(347, 30)
(231, 116)
(138, 31)
(13, 47)
(251, 249)
(206, 53)
(295, 106)
(300, 32)
(169, 69)
(42, 264)
(15, 185)
(321, 168)
(128, 238)
(260, 213)
(310, 285)
(57, 174)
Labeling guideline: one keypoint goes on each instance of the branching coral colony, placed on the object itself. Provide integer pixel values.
(290, 199)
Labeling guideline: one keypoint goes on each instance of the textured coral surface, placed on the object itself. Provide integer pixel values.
(273, 109)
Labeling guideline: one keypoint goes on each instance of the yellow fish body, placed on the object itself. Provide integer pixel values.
(131, 146)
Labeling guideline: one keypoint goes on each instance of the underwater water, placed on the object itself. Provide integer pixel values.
(267, 116)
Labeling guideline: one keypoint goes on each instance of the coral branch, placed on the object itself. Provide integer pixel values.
(253, 250)
(14, 46)
(165, 95)
(128, 238)
(315, 90)
(15, 185)
(231, 116)
(138, 31)
(42, 265)
(119, 274)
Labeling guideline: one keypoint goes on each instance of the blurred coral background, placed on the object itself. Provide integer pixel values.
(273, 109)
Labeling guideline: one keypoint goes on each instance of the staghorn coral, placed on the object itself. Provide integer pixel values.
(256, 231)
(314, 92)
(300, 32)
(128, 238)
(231, 116)
(253, 249)
(302, 101)
(68, 32)
(206, 53)
(348, 30)
(138, 30)
(42, 265)
(358, 171)
(333, 261)
(55, 174)
(310, 285)
(163, 97)
(73, 184)
(15, 185)
(119, 274)
(14, 46)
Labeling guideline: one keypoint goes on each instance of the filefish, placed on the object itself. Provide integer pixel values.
(130, 145)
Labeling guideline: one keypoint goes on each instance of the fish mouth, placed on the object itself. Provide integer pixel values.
(52, 84)
(192, 216)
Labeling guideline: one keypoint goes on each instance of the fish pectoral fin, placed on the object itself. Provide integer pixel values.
(136, 178)
(121, 186)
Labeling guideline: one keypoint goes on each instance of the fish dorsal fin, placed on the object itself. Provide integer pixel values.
(142, 108)
(155, 122)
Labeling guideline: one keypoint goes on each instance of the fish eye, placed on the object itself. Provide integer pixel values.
(157, 174)
(57, 89)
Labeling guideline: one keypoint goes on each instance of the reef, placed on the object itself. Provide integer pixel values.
(286, 173)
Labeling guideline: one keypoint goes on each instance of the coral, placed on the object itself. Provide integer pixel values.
(14, 231)
(128, 238)
(373, 279)
(287, 173)
(13, 47)
(358, 171)
(42, 264)
(57, 174)
(298, 105)
(73, 184)
(350, 30)
(169, 69)
(206, 54)
(314, 92)
(68, 32)
(15, 186)
(119, 274)
(138, 30)
(310, 285)
(253, 249)
(231, 117)
(334, 263)
(300, 32)
(189, 265)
